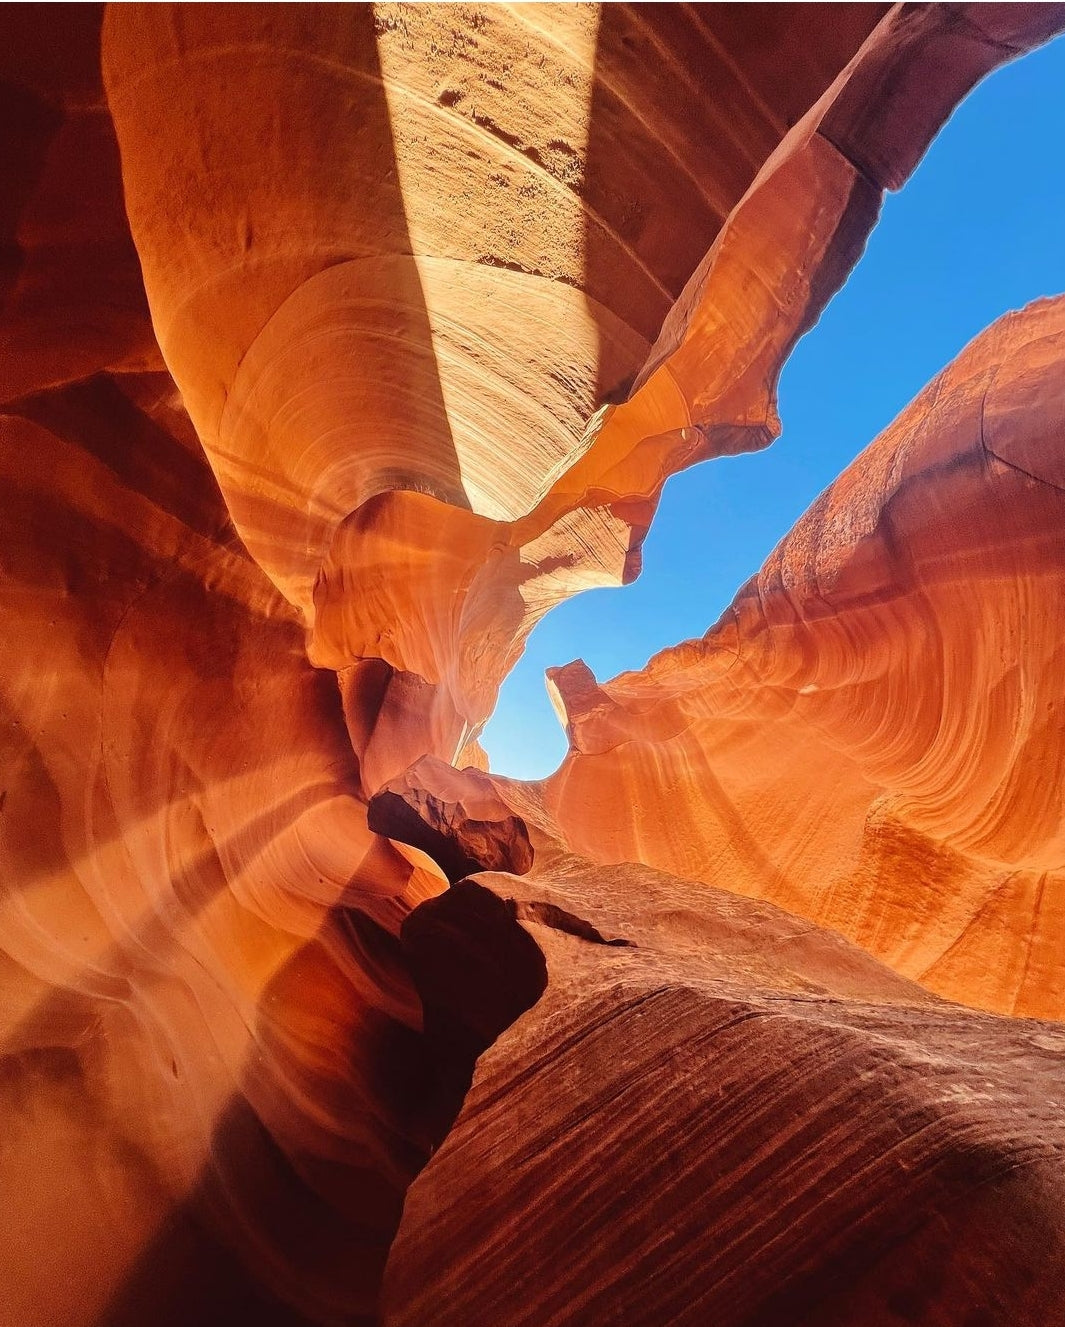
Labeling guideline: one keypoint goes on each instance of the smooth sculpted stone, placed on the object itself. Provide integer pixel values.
(872, 734)
(738, 1118)
(461, 286)
(455, 817)
(338, 343)
(72, 299)
(213, 1085)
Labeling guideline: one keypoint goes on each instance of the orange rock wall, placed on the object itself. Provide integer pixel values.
(198, 969)
(396, 369)
(339, 343)
(868, 735)
(726, 1115)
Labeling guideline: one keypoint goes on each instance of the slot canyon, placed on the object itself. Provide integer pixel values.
(339, 343)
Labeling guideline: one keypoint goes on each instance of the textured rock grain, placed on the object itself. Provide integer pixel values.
(902, 642)
(737, 1119)
(374, 361)
(338, 344)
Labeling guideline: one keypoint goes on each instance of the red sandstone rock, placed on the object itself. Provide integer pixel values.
(200, 979)
(372, 361)
(866, 736)
(446, 294)
(455, 818)
(737, 1118)
(71, 297)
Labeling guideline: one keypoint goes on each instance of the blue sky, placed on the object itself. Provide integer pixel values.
(979, 229)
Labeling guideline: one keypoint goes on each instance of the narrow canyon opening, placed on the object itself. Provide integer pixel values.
(972, 234)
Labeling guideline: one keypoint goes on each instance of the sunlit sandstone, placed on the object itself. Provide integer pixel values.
(869, 736)
(340, 343)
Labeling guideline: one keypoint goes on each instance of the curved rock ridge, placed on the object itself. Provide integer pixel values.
(205, 1013)
(399, 289)
(736, 1118)
(439, 296)
(454, 817)
(210, 1046)
(872, 733)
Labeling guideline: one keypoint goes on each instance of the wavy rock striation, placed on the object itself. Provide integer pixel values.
(372, 361)
(339, 344)
(734, 1118)
(868, 735)
(204, 1005)
(716, 1112)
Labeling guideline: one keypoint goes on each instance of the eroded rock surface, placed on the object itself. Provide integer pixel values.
(398, 371)
(339, 344)
(738, 1118)
(868, 735)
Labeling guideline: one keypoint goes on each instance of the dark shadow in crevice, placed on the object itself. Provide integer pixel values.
(291, 1222)
(459, 844)
(559, 919)
(476, 971)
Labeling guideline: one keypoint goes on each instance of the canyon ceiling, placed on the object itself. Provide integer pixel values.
(338, 344)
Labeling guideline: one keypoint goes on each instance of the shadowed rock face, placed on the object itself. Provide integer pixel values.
(339, 344)
(461, 823)
(737, 1118)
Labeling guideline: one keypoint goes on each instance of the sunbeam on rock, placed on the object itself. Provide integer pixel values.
(341, 343)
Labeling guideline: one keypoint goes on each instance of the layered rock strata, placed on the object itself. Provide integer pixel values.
(374, 360)
(434, 299)
(733, 1117)
(869, 735)
(714, 1112)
